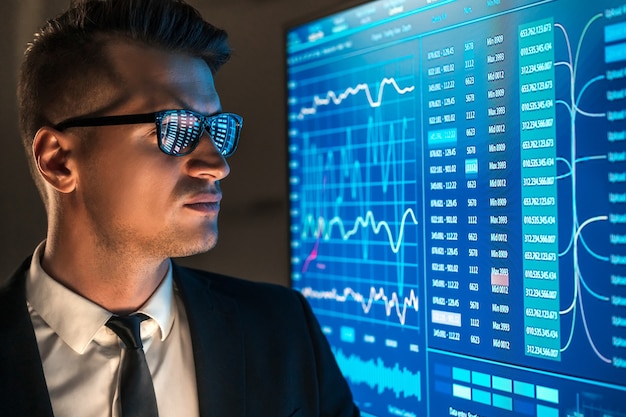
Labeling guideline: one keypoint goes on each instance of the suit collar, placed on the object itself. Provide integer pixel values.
(23, 390)
(218, 345)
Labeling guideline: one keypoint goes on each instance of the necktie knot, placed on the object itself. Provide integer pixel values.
(127, 328)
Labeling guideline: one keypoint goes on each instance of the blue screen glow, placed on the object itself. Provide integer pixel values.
(457, 196)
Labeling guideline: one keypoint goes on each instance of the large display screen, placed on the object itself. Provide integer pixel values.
(457, 177)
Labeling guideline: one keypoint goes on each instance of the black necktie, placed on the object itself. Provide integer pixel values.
(136, 389)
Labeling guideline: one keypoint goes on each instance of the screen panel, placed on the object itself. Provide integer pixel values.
(458, 202)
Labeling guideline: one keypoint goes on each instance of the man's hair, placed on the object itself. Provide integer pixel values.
(65, 64)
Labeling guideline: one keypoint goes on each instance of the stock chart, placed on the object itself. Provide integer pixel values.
(458, 203)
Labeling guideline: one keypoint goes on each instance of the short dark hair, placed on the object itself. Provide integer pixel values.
(67, 55)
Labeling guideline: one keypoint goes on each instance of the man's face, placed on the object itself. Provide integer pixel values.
(131, 196)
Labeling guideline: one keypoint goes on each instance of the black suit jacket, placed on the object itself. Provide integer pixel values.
(257, 348)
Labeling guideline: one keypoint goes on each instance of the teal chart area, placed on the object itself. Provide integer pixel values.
(457, 187)
(358, 205)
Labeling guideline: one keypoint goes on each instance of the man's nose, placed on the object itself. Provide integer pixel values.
(206, 161)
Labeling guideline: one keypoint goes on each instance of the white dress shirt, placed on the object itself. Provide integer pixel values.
(81, 356)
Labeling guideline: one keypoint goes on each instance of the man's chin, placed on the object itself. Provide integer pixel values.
(196, 248)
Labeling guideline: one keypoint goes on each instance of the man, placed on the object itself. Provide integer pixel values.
(127, 143)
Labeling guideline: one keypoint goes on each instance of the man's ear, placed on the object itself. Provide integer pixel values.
(51, 150)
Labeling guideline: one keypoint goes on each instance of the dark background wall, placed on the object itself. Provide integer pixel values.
(253, 240)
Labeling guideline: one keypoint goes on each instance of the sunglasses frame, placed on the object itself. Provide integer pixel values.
(156, 118)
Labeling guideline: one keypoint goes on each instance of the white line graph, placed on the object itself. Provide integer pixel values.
(391, 303)
(324, 229)
(357, 192)
(337, 98)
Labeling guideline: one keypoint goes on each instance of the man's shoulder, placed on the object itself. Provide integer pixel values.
(222, 280)
(262, 304)
(15, 282)
(232, 286)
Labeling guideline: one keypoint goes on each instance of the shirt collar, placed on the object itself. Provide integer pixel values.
(75, 319)
(161, 305)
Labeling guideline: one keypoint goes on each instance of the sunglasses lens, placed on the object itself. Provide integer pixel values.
(180, 132)
(224, 130)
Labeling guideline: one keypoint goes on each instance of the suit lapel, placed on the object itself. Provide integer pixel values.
(23, 390)
(218, 346)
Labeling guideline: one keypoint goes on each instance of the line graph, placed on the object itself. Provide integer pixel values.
(324, 229)
(356, 173)
(391, 303)
(382, 156)
(377, 375)
(356, 200)
(332, 97)
(353, 176)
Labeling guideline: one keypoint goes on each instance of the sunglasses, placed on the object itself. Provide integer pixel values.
(179, 131)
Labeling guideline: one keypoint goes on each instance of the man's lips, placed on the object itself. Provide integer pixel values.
(206, 203)
(204, 198)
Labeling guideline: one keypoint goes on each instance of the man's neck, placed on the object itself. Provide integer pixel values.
(119, 282)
